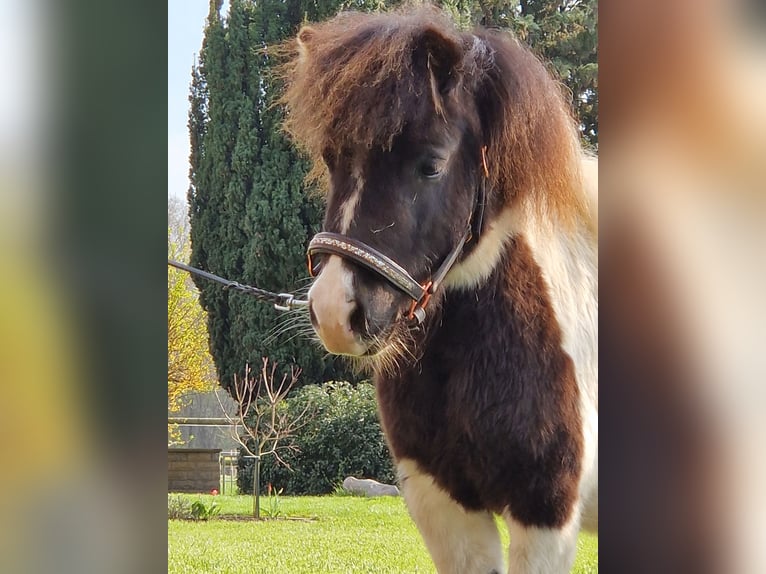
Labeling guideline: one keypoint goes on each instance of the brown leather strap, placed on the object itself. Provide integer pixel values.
(348, 248)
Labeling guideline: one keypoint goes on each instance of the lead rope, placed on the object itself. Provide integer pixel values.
(281, 301)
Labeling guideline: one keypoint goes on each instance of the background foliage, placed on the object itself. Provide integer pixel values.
(190, 366)
(251, 216)
(343, 439)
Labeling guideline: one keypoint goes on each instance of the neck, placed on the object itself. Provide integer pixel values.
(525, 219)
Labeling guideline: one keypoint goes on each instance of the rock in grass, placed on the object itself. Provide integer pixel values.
(369, 487)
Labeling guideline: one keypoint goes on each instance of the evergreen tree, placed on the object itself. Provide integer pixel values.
(251, 216)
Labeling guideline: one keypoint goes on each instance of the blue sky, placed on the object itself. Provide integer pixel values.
(186, 23)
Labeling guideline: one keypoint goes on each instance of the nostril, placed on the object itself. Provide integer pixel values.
(357, 320)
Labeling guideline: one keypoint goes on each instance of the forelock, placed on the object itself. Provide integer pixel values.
(352, 83)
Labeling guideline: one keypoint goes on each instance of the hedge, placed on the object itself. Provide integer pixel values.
(344, 438)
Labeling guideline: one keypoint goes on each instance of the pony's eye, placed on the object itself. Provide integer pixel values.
(430, 169)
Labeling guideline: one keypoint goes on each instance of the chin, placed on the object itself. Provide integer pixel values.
(388, 355)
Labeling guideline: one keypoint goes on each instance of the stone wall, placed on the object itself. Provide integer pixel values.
(193, 469)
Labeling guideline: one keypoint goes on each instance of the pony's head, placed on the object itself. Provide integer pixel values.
(395, 111)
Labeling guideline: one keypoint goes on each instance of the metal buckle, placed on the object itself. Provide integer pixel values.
(418, 308)
(289, 302)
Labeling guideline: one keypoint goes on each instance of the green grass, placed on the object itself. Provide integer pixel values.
(347, 535)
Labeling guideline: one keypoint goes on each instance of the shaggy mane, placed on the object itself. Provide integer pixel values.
(351, 83)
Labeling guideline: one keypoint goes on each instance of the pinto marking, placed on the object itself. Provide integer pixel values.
(535, 550)
(458, 540)
(568, 265)
(333, 292)
(476, 268)
(348, 209)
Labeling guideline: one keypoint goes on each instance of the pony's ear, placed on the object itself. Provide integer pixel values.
(444, 56)
(305, 35)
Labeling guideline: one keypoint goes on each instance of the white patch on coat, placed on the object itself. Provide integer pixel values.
(459, 541)
(332, 301)
(569, 264)
(348, 209)
(590, 188)
(476, 268)
(535, 550)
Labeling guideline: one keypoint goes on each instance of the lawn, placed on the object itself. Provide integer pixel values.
(345, 535)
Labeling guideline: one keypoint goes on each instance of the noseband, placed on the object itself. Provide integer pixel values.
(369, 257)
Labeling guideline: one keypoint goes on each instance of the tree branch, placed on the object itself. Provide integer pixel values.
(260, 411)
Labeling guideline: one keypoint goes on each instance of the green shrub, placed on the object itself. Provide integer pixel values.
(344, 438)
(201, 511)
(180, 508)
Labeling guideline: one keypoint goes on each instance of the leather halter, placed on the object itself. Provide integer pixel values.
(369, 257)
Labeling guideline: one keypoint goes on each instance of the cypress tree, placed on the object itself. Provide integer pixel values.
(251, 216)
(209, 160)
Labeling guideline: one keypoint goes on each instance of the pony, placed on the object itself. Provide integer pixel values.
(458, 263)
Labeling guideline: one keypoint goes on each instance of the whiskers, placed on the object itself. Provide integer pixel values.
(389, 352)
(393, 352)
(293, 323)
